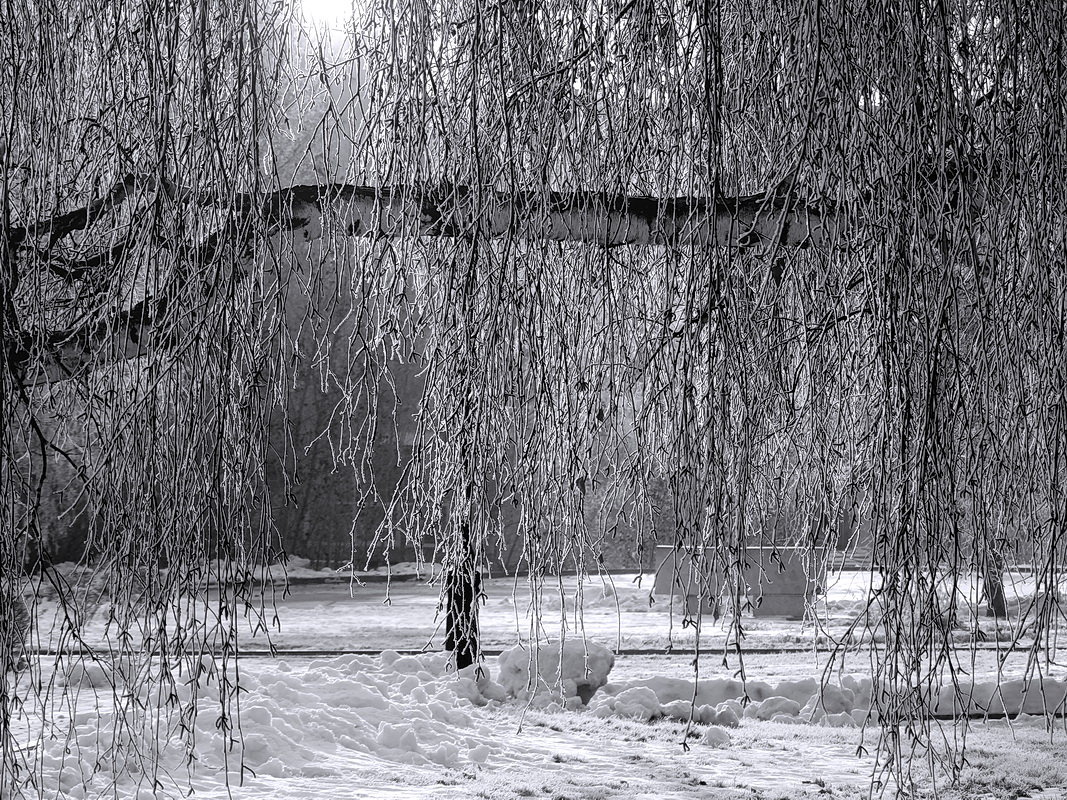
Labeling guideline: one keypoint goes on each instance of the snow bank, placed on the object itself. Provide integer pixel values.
(724, 702)
(572, 670)
(1011, 698)
(295, 723)
(300, 568)
(582, 679)
(315, 720)
(845, 704)
(419, 569)
(625, 595)
(589, 593)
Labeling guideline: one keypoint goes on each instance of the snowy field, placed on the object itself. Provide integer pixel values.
(401, 725)
(323, 610)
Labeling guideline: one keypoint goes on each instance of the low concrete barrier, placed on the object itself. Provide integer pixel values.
(773, 587)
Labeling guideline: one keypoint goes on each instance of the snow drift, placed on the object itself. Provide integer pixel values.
(573, 670)
(217, 726)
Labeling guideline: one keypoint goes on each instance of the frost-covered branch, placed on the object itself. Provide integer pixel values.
(58, 355)
(766, 219)
(590, 217)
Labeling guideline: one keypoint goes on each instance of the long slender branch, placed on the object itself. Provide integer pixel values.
(81, 218)
(58, 355)
(772, 218)
(590, 217)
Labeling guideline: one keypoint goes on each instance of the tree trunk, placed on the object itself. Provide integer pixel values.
(993, 586)
(463, 586)
(14, 629)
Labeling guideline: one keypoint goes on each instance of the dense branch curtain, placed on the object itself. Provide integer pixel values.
(910, 362)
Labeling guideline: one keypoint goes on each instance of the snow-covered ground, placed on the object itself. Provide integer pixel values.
(619, 610)
(406, 726)
(400, 726)
(409, 727)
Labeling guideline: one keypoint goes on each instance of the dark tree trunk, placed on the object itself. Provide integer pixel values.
(14, 629)
(993, 586)
(463, 586)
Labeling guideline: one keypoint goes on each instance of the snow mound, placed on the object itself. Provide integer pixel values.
(573, 669)
(417, 568)
(295, 722)
(723, 702)
(846, 704)
(1010, 697)
(307, 722)
(298, 567)
(716, 737)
